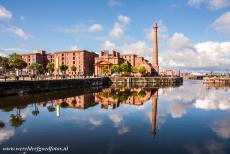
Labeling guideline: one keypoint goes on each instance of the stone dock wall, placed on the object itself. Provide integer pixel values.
(34, 86)
(147, 81)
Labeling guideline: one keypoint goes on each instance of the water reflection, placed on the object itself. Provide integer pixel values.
(192, 118)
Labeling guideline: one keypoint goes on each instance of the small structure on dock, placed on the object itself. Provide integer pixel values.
(214, 80)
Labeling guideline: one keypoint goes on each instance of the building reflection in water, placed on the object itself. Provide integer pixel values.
(110, 98)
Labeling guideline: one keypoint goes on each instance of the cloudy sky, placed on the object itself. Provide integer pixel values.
(193, 34)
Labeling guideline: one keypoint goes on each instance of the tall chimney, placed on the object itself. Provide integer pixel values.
(155, 48)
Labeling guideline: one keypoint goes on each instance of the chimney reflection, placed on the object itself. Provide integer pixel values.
(154, 112)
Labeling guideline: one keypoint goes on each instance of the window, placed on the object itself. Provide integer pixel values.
(73, 62)
(62, 54)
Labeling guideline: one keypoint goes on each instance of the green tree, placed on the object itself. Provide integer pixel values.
(50, 67)
(124, 68)
(4, 65)
(73, 69)
(142, 70)
(15, 61)
(37, 68)
(105, 70)
(63, 68)
(134, 69)
(115, 68)
(51, 108)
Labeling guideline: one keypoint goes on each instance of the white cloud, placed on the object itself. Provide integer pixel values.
(116, 119)
(95, 122)
(5, 134)
(112, 3)
(118, 122)
(16, 31)
(75, 47)
(222, 23)
(109, 46)
(119, 27)
(222, 128)
(204, 55)
(195, 3)
(95, 28)
(6, 51)
(124, 19)
(80, 28)
(19, 32)
(22, 18)
(140, 48)
(177, 110)
(4, 13)
(178, 41)
(210, 4)
(218, 4)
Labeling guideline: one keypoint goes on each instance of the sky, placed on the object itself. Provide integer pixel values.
(194, 35)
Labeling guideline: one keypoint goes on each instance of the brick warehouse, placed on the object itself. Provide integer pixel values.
(82, 59)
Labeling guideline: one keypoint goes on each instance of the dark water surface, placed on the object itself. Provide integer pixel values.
(192, 118)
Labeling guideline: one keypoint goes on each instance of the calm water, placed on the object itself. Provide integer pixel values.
(192, 118)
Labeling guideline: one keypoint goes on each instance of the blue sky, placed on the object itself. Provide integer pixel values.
(187, 28)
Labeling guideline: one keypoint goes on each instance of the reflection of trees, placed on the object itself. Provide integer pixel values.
(35, 112)
(2, 124)
(51, 108)
(8, 109)
(64, 105)
(117, 95)
(16, 120)
(142, 93)
(122, 95)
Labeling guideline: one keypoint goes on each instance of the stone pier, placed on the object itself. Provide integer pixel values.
(34, 86)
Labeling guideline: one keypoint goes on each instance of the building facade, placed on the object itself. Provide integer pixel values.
(82, 59)
(39, 57)
(137, 61)
(107, 60)
(170, 73)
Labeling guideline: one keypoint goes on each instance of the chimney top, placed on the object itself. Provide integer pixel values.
(155, 25)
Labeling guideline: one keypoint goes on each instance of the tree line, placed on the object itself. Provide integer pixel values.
(125, 69)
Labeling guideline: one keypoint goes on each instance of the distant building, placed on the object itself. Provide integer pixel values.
(170, 73)
(106, 60)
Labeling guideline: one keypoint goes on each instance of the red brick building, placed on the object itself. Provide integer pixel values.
(82, 59)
